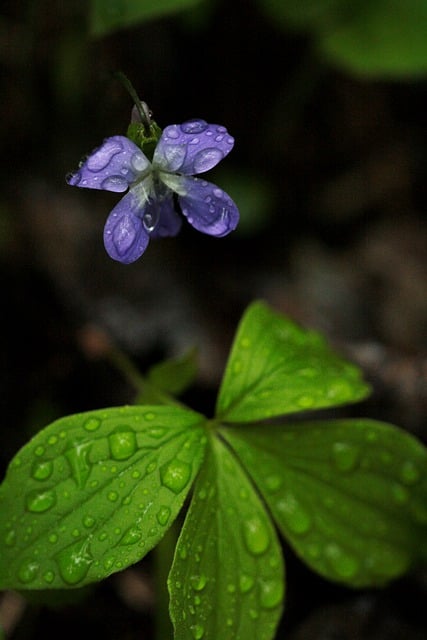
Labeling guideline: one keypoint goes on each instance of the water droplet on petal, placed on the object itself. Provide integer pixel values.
(207, 159)
(194, 126)
(74, 562)
(42, 470)
(122, 443)
(40, 501)
(345, 456)
(256, 536)
(117, 184)
(175, 475)
(139, 162)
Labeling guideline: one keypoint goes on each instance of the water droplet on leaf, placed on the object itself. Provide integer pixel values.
(256, 536)
(345, 456)
(92, 424)
(40, 501)
(198, 582)
(246, 583)
(78, 459)
(42, 470)
(271, 593)
(28, 571)
(122, 444)
(198, 631)
(296, 517)
(409, 473)
(344, 565)
(163, 515)
(175, 475)
(74, 562)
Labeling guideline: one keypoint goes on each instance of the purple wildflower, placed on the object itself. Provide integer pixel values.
(148, 210)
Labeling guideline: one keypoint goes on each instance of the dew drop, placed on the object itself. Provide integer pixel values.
(175, 475)
(163, 515)
(409, 473)
(256, 536)
(344, 565)
(273, 482)
(49, 577)
(400, 493)
(74, 562)
(42, 470)
(39, 451)
(296, 517)
(194, 126)
(40, 501)
(182, 553)
(150, 415)
(206, 159)
(271, 593)
(156, 432)
(112, 496)
(345, 456)
(78, 459)
(53, 538)
(198, 631)
(198, 582)
(246, 583)
(305, 401)
(10, 538)
(237, 367)
(28, 571)
(131, 536)
(88, 521)
(92, 424)
(122, 443)
(117, 184)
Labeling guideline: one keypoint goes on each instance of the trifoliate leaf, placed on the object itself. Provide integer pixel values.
(227, 577)
(276, 367)
(349, 495)
(92, 493)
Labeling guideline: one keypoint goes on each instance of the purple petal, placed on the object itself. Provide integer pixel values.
(125, 237)
(192, 147)
(112, 167)
(169, 222)
(208, 208)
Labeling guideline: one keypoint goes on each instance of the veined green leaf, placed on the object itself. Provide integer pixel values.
(276, 367)
(109, 15)
(227, 577)
(349, 495)
(92, 493)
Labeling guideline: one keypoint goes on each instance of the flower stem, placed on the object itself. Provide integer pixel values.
(142, 108)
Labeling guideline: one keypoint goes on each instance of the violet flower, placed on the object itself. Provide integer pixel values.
(148, 209)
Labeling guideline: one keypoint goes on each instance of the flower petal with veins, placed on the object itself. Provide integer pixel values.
(207, 207)
(125, 237)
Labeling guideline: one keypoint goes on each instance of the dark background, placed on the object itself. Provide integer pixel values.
(329, 173)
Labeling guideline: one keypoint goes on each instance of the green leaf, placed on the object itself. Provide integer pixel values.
(175, 375)
(349, 495)
(109, 15)
(385, 38)
(227, 577)
(92, 493)
(275, 368)
(304, 13)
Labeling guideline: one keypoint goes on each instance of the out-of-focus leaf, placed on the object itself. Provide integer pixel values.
(349, 495)
(109, 15)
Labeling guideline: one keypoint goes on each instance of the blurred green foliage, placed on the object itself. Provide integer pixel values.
(383, 38)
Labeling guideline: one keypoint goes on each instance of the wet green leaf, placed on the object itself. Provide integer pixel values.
(94, 492)
(349, 495)
(276, 367)
(227, 577)
(109, 15)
